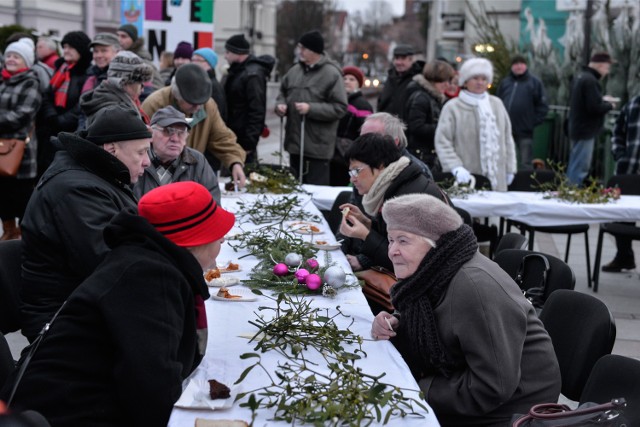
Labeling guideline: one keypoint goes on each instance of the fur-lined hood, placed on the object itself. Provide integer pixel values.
(429, 87)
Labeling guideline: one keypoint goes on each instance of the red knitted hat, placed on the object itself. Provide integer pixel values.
(355, 72)
(185, 213)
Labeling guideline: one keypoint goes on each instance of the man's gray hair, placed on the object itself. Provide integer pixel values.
(51, 44)
(393, 126)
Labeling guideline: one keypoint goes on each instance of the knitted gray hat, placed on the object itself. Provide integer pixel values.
(24, 48)
(420, 214)
(127, 67)
(475, 67)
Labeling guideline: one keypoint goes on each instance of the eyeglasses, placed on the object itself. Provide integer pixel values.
(169, 131)
(353, 173)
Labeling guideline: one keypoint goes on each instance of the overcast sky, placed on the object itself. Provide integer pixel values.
(354, 5)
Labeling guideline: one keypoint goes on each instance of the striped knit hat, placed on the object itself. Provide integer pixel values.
(185, 213)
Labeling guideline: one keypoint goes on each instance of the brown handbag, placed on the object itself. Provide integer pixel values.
(377, 284)
(11, 153)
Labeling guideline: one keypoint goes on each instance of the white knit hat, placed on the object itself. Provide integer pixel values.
(475, 67)
(420, 214)
(25, 48)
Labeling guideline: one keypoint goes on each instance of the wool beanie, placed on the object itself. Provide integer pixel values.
(22, 48)
(518, 59)
(193, 83)
(475, 67)
(237, 44)
(183, 50)
(114, 124)
(209, 55)
(313, 41)
(355, 72)
(420, 214)
(127, 67)
(79, 41)
(603, 57)
(131, 30)
(185, 213)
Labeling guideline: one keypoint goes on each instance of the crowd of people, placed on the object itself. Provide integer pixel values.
(119, 188)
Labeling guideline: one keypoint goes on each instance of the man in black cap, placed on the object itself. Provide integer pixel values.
(190, 93)
(524, 98)
(245, 89)
(586, 115)
(312, 89)
(393, 95)
(171, 159)
(87, 184)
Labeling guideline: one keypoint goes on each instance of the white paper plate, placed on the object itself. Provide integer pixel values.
(245, 295)
(327, 247)
(196, 396)
(304, 227)
(223, 281)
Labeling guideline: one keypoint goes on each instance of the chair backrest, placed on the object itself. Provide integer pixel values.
(615, 376)
(512, 241)
(482, 182)
(334, 217)
(560, 275)
(10, 277)
(628, 184)
(530, 179)
(7, 364)
(582, 330)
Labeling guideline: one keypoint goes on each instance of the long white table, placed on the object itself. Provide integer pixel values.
(228, 328)
(528, 207)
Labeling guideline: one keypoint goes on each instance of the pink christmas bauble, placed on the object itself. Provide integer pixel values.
(302, 275)
(312, 263)
(280, 269)
(313, 281)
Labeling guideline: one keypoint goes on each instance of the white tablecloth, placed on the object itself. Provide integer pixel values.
(228, 320)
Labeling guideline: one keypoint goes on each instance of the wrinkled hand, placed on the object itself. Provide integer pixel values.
(237, 173)
(356, 229)
(281, 110)
(354, 263)
(380, 326)
(510, 177)
(302, 107)
(462, 175)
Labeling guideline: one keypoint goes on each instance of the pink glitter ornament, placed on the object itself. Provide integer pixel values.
(312, 263)
(313, 282)
(280, 269)
(302, 275)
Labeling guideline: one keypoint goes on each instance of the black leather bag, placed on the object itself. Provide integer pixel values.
(588, 414)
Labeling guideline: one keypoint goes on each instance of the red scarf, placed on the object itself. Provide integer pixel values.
(143, 115)
(60, 84)
(6, 75)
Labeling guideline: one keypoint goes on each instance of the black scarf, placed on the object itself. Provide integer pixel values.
(416, 297)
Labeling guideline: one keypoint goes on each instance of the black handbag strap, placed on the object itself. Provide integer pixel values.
(531, 263)
(33, 347)
(556, 411)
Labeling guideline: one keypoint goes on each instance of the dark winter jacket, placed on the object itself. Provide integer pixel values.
(526, 102)
(126, 338)
(84, 188)
(410, 180)
(357, 110)
(96, 75)
(217, 93)
(587, 108)
(393, 96)
(320, 86)
(421, 113)
(20, 100)
(105, 95)
(245, 88)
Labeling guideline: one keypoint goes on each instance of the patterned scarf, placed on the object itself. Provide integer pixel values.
(372, 201)
(416, 297)
(60, 84)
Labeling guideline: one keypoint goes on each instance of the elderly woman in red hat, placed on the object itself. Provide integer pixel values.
(119, 348)
(349, 127)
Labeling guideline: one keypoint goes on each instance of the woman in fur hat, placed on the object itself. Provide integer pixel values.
(474, 130)
(423, 107)
(472, 341)
(126, 76)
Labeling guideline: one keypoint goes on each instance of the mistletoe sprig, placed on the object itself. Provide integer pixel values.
(455, 190)
(271, 240)
(299, 392)
(561, 188)
(273, 209)
(264, 179)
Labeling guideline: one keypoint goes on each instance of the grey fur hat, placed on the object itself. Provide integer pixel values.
(420, 214)
(127, 67)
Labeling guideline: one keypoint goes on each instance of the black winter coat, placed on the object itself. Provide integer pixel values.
(525, 100)
(217, 93)
(421, 114)
(126, 338)
(245, 88)
(84, 188)
(393, 96)
(358, 109)
(587, 109)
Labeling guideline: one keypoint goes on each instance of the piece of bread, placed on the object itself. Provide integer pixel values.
(201, 422)
(345, 211)
(217, 390)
